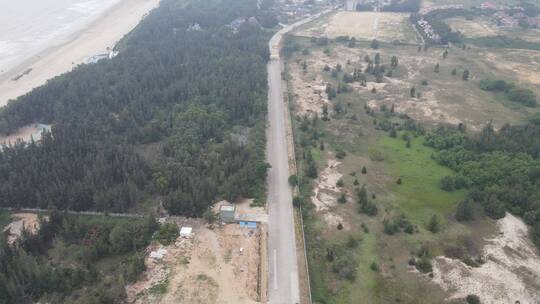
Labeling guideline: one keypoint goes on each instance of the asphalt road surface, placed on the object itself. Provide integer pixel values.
(283, 264)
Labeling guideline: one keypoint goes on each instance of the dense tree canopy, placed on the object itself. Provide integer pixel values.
(502, 169)
(179, 113)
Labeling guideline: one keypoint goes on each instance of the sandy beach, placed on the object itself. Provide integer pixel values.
(97, 38)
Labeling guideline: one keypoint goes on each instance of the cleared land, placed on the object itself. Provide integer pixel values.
(217, 265)
(20, 222)
(361, 25)
(485, 27)
(510, 274)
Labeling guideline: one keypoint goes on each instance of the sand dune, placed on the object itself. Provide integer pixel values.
(100, 35)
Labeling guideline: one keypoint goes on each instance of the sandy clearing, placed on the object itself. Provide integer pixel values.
(479, 27)
(366, 25)
(21, 221)
(25, 134)
(100, 36)
(325, 194)
(511, 272)
(525, 71)
(219, 265)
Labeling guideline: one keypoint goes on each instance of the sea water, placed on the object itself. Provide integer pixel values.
(30, 27)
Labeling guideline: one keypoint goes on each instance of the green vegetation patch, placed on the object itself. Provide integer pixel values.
(5, 218)
(502, 41)
(419, 194)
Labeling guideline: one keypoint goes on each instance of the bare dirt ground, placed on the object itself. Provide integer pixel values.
(23, 134)
(524, 64)
(485, 27)
(219, 265)
(362, 25)
(511, 272)
(20, 222)
(479, 27)
(326, 193)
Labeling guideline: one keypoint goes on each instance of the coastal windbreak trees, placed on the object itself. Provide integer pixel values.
(178, 114)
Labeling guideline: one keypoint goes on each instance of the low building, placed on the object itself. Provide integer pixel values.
(226, 213)
(186, 232)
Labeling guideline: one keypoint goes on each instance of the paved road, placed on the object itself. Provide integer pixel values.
(283, 265)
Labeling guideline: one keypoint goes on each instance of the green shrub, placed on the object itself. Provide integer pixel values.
(167, 233)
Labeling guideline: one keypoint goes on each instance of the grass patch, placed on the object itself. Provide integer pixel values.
(160, 288)
(419, 194)
(505, 42)
(5, 218)
(367, 285)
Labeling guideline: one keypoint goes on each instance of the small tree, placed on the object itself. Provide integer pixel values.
(465, 75)
(472, 299)
(413, 92)
(454, 72)
(342, 199)
(209, 216)
(399, 181)
(364, 170)
(394, 62)
(352, 42)
(374, 44)
(445, 54)
(393, 133)
(437, 67)
(293, 180)
(377, 59)
(433, 224)
(464, 211)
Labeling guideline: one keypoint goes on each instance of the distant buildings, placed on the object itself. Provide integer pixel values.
(237, 23)
(96, 58)
(510, 16)
(428, 30)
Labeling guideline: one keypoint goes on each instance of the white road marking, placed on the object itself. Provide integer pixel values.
(275, 269)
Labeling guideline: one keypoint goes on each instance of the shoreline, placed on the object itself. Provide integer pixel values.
(97, 37)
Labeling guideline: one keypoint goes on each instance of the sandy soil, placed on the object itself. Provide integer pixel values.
(20, 221)
(326, 193)
(364, 25)
(479, 27)
(484, 27)
(511, 272)
(24, 134)
(101, 35)
(525, 64)
(215, 266)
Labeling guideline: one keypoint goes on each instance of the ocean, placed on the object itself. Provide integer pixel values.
(29, 27)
